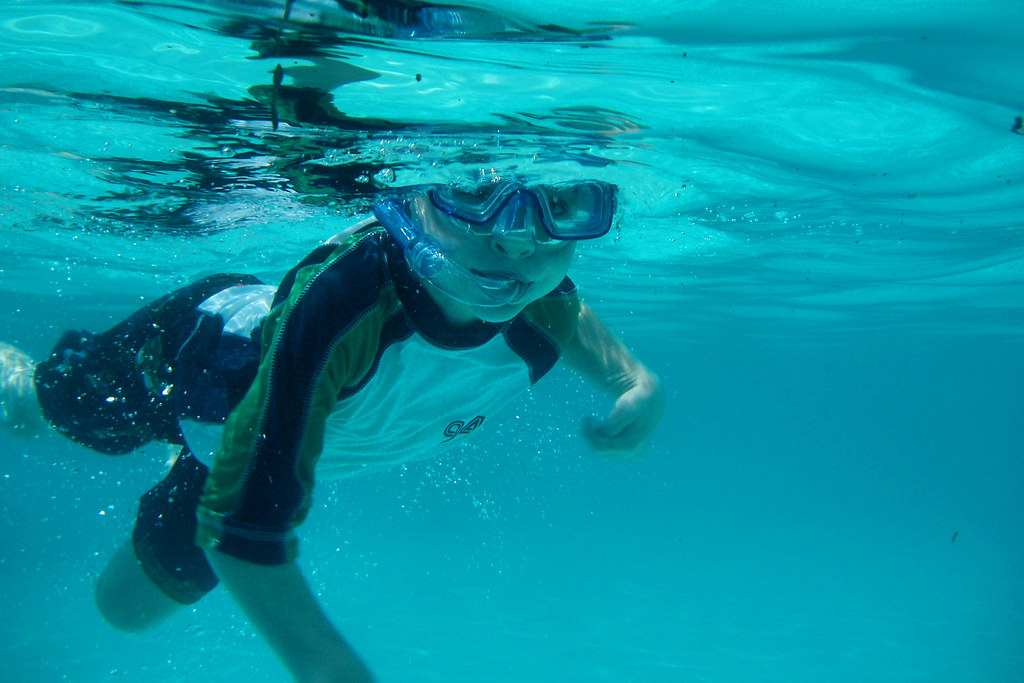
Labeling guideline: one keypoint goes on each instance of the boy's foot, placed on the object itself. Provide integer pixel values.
(20, 414)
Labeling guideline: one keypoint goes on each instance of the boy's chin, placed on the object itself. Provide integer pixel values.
(498, 314)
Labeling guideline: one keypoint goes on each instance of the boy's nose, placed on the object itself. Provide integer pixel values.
(513, 245)
(514, 236)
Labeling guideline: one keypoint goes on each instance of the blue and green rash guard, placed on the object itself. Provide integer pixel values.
(357, 373)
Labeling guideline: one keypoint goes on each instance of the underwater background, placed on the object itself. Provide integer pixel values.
(820, 251)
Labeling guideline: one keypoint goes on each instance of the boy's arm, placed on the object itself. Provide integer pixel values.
(597, 354)
(282, 608)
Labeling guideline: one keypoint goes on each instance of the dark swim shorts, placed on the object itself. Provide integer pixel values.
(112, 392)
(165, 532)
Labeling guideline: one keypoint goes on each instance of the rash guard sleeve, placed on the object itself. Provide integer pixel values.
(319, 339)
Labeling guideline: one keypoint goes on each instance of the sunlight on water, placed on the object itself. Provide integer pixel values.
(720, 139)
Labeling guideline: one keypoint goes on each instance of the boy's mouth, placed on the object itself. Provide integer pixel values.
(500, 276)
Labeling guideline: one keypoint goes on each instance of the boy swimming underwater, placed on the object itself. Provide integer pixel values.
(389, 343)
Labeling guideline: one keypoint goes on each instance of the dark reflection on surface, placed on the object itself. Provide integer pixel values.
(280, 138)
(399, 19)
(317, 154)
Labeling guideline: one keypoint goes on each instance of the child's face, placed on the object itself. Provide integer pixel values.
(516, 255)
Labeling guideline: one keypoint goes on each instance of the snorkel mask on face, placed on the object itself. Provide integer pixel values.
(568, 212)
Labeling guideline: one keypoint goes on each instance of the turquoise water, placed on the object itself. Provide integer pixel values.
(820, 251)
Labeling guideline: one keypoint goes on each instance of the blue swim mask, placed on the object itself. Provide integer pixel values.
(568, 211)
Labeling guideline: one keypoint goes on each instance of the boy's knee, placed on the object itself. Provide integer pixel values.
(125, 596)
(116, 612)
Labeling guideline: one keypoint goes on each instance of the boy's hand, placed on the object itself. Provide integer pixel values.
(626, 431)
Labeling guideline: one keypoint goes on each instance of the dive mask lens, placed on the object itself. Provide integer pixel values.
(477, 204)
(577, 210)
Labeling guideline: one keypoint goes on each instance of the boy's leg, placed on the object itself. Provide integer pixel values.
(112, 391)
(160, 569)
(126, 597)
(20, 414)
